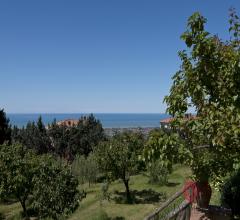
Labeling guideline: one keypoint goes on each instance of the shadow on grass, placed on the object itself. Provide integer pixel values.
(146, 196)
(171, 184)
(102, 215)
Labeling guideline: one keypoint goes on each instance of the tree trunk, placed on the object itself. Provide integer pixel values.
(128, 195)
(23, 204)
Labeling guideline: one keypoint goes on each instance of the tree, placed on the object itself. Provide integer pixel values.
(5, 130)
(118, 157)
(34, 136)
(55, 192)
(165, 149)
(48, 185)
(86, 135)
(208, 81)
(60, 138)
(69, 141)
(17, 168)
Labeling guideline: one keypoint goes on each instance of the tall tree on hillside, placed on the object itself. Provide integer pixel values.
(86, 135)
(5, 130)
(60, 136)
(34, 136)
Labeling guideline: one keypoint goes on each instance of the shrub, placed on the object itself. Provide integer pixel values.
(158, 174)
(230, 193)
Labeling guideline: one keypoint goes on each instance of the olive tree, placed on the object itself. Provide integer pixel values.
(17, 167)
(48, 185)
(55, 191)
(118, 157)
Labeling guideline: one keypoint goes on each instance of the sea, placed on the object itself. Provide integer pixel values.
(108, 120)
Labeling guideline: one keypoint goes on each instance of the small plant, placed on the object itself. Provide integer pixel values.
(158, 174)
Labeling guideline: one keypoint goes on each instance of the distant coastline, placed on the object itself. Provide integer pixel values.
(108, 120)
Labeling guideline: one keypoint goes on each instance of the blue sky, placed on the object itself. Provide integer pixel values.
(95, 55)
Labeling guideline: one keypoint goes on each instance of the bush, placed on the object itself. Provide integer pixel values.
(55, 193)
(230, 193)
(158, 174)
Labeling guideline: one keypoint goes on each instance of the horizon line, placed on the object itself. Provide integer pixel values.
(85, 113)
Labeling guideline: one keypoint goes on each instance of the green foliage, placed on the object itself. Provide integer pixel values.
(118, 157)
(104, 193)
(34, 136)
(86, 135)
(166, 148)
(60, 137)
(85, 168)
(48, 186)
(80, 139)
(230, 193)
(208, 81)
(17, 167)
(158, 174)
(65, 141)
(55, 191)
(5, 129)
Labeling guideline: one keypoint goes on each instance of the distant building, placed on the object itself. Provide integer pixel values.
(68, 122)
(166, 123)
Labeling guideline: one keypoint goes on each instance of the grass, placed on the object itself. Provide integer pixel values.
(91, 209)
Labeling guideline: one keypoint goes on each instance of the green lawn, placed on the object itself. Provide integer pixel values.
(90, 208)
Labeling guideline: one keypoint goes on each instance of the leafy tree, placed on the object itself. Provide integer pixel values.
(166, 148)
(118, 157)
(17, 167)
(5, 130)
(48, 186)
(208, 81)
(55, 191)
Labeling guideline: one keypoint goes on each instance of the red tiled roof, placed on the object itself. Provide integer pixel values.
(167, 120)
(68, 122)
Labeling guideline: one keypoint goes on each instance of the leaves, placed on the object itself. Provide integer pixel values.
(208, 81)
(47, 184)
